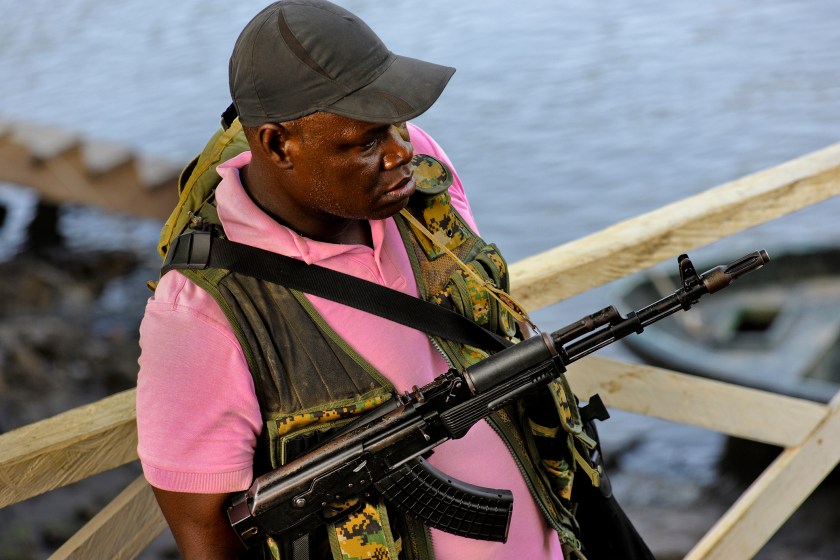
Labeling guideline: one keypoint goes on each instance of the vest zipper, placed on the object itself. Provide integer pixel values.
(531, 488)
(431, 539)
(440, 351)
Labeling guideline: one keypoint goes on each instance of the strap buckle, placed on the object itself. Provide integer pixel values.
(594, 410)
(189, 251)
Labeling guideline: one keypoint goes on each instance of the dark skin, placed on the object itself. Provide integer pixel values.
(199, 525)
(323, 176)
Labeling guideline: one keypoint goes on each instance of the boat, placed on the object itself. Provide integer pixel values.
(776, 331)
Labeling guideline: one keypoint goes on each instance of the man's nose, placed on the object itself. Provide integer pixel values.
(399, 151)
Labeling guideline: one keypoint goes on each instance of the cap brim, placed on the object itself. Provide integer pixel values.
(402, 92)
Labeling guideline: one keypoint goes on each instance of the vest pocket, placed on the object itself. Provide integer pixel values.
(467, 292)
(293, 434)
(441, 222)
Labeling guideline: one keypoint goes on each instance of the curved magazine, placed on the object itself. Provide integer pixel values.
(448, 504)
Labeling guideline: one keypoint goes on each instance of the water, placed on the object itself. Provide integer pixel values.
(563, 118)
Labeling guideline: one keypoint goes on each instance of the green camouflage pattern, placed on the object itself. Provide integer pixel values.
(564, 407)
(542, 431)
(578, 443)
(469, 294)
(471, 355)
(296, 422)
(363, 536)
(431, 177)
(562, 475)
(272, 549)
(560, 472)
(438, 216)
(567, 409)
(442, 280)
(447, 284)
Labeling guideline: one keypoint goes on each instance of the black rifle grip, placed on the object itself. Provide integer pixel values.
(448, 504)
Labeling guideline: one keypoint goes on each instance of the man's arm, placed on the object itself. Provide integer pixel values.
(197, 423)
(200, 525)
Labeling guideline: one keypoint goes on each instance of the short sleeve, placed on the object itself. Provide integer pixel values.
(197, 415)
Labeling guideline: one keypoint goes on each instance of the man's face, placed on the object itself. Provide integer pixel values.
(348, 169)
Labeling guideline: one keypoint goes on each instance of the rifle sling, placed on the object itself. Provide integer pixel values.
(200, 249)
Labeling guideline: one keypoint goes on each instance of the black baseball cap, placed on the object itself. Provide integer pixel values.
(297, 57)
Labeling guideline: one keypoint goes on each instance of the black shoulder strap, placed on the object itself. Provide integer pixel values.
(200, 250)
(228, 116)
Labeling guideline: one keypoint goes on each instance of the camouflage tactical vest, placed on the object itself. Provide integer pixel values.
(307, 389)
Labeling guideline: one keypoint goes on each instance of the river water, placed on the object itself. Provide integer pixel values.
(564, 117)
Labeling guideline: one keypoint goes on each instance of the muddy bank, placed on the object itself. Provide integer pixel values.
(68, 337)
(65, 340)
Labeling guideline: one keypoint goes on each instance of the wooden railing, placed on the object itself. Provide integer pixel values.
(65, 167)
(89, 440)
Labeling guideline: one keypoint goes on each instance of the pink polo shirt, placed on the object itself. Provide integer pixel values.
(198, 416)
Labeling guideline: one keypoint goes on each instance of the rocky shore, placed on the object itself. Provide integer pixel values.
(64, 340)
(68, 336)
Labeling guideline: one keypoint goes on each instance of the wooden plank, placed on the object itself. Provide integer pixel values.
(651, 238)
(59, 167)
(725, 408)
(68, 447)
(101, 436)
(775, 495)
(122, 530)
(42, 142)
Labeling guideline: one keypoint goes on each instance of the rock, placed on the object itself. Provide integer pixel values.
(53, 351)
(55, 354)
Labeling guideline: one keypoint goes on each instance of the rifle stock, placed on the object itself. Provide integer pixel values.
(383, 451)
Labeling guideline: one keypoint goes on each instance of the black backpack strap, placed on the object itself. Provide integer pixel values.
(199, 250)
(228, 116)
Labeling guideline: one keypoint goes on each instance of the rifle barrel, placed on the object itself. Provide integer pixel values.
(690, 293)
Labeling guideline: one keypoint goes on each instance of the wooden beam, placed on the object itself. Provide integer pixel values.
(63, 169)
(725, 408)
(775, 495)
(68, 447)
(651, 238)
(122, 530)
(101, 436)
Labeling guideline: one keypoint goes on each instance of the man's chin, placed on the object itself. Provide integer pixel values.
(391, 208)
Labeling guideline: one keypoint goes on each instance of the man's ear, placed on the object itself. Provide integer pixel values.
(272, 140)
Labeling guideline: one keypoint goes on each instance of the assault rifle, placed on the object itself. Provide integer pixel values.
(383, 451)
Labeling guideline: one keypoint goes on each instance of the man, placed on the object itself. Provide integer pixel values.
(229, 363)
